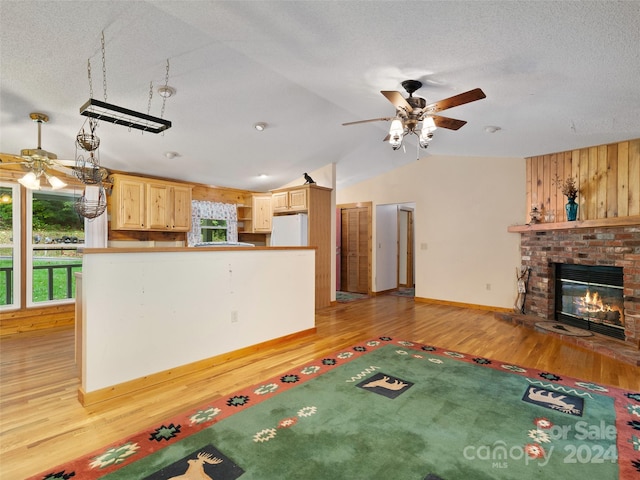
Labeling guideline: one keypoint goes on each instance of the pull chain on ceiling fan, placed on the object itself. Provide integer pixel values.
(413, 115)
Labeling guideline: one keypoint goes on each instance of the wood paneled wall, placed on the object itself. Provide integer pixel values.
(607, 177)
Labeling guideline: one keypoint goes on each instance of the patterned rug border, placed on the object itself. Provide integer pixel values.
(135, 447)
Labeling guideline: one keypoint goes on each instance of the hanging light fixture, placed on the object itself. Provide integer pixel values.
(396, 133)
(32, 179)
(39, 160)
(55, 182)
(427, 127)
(415, 115)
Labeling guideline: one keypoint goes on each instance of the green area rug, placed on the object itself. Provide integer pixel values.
(390, 409)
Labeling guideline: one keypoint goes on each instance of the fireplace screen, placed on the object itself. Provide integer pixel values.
(591, 297)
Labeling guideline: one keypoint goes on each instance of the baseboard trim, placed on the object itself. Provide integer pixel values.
(384, 292)
(473, 306)
(131, 386)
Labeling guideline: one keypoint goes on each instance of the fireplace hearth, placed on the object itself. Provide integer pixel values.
(590, 297)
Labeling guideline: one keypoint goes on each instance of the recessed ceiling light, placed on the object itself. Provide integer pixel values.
(166, 91)
(171, 155)
(491, 129)
(263, 175)
(260, 126)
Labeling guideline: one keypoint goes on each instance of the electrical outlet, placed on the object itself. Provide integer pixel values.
(234, 316)
(423, 246)
(488, 286)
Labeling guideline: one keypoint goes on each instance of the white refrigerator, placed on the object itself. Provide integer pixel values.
(289, 230)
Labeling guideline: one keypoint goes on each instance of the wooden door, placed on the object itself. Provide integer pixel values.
(354, 260)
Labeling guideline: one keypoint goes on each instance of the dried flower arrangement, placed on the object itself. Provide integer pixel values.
(568, 186)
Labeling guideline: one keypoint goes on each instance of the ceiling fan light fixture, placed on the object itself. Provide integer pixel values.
(396, 133)
(424, 140)
(55, 182)
(30, 181)
(429, 125)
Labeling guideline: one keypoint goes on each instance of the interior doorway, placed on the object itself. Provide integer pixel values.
(405, 248)
(354, 251)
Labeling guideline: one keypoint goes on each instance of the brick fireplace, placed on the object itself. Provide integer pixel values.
(542, 249)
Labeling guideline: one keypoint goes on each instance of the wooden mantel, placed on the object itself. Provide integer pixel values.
(596, 223)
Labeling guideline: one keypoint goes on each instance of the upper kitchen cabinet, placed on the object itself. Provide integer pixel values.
(293, 200)
(262, 212)
(144, 204)
(128, 203)
(255, 218)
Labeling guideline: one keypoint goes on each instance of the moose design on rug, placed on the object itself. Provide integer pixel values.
(205, 463)
(196, 467)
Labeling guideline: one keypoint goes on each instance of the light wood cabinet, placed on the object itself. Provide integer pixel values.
(255, 218)
(128, 200)
(316, 202)
(262, 213)
(143, 204)
(290, 200)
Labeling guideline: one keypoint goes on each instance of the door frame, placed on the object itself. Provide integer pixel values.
(410, 246)
(369, 207)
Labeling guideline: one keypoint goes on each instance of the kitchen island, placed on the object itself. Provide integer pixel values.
(150, 314)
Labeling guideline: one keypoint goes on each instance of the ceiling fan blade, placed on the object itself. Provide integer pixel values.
(456, 100)
(62, 169)
(65, 163)
(450, 123)
(383, 119)
(9, 159)
(398, 100)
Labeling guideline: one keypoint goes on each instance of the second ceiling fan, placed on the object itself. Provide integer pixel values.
(414, 115)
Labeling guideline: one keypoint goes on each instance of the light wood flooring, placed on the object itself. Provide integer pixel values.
(42, 424)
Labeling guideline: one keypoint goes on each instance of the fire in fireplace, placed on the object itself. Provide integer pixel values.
(591, 297)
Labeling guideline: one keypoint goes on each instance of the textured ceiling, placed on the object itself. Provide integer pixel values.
(558, 75)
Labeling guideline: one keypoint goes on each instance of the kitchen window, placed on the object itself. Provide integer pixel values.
(212, 230)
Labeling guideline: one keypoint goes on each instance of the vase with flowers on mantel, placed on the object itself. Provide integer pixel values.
(569, 188)
(572, 209)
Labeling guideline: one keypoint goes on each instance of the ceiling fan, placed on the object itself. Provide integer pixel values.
(413, 115)
(39, 163)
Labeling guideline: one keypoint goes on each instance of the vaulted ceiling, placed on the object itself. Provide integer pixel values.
(557, 75)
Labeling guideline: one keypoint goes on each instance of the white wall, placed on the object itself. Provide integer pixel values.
(386, 248)
(147, 312)
(463, 206)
